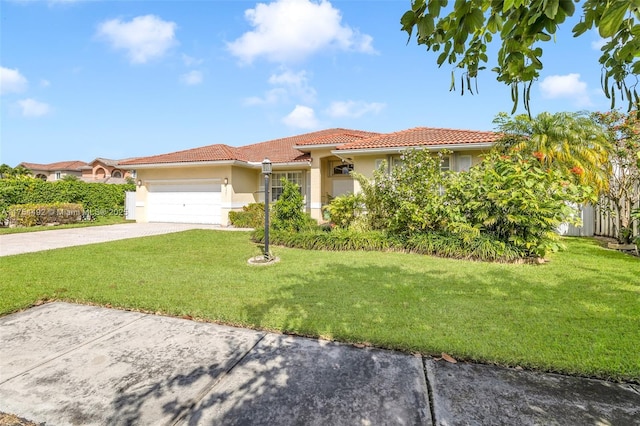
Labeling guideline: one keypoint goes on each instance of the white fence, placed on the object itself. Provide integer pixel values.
(605, 221)
(587, 229)
(130, 206)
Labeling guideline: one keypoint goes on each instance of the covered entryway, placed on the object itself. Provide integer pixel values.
(184, 202)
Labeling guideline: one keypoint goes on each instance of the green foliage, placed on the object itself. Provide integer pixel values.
(409, 199)
(511, 199)
(336, 240)
(70, 178)
(461, 38)
(481, 247)
(515, 200)
(251, 216)
(44, 214)
(344, 209)
(288, 211)
(8, 172)
(98, 199)
(573, 143)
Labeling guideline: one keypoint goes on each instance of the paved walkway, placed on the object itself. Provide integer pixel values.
(57, 238)
(64, 364)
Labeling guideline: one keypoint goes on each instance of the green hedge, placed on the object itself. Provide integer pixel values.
(44, 214)
(435, 244)
(97, 199)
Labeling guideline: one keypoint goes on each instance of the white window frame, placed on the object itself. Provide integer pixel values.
(333, 164)
(460, 165)
(447, 167)
(296, 177)
(58, 175)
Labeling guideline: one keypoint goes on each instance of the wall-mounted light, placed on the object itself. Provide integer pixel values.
(139, 182)
(226, 181)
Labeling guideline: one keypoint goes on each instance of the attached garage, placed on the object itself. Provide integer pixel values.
(184, 202)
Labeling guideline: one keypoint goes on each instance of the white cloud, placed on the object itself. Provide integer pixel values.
(288, 84)
(190, 61)
(290, 30)
(143, 38)
(11, 81)
(301, 117)
(45, 83)
(353, 109)
(192, 78)
(33, 108)
(566, 86)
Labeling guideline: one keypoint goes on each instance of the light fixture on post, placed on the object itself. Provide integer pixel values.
(139, 182)
(266, 171)
(226, 181)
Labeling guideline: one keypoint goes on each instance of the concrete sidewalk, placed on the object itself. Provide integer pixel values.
(28, 242)
(64, 364)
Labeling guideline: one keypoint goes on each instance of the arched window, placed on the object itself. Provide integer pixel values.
(41, 176)
(116, 174)
(100, 173)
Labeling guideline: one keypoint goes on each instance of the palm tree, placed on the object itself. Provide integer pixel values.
(571, 142)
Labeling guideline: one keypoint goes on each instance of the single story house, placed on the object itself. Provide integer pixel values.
(202, 185)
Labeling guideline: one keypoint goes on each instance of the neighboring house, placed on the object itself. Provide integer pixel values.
(55, 171)
(202, 185)
(99, 170)
(106, 171)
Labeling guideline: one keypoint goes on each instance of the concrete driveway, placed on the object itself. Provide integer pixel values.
(67, 364)
(57, 238)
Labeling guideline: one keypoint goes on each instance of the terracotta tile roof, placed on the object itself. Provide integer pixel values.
(61, 165)
(278, 150)
(216, 152)
(422, 136)
(331, 137)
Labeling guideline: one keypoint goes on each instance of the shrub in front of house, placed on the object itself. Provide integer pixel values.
(344, 210)
(251, 216)
(515, 200)
(288, 211)
(336, 240)
(505, 208)
(44, 214)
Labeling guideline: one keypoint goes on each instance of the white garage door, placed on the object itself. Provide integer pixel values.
(184, 203)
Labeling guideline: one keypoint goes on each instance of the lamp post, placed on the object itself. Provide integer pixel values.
(266, 170)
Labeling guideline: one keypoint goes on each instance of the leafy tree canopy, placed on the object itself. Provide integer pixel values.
(7, 171)
(573, 143)
(462, 35)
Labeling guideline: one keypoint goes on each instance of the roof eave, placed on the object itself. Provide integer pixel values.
(395, 150)
(317, 146)
(285, 165)
(182, 164)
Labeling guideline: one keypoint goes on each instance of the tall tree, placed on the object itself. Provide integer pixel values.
(623, 193)
(522, 25)
(7, 171)
(570, 142)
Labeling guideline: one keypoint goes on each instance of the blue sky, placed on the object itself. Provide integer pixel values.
(116, 79)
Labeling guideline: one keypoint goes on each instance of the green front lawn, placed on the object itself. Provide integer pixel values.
(577, 314)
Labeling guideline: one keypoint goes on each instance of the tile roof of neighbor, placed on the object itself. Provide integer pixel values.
(61, 165)
(422, 136)
(216, 152)
(278, 150)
